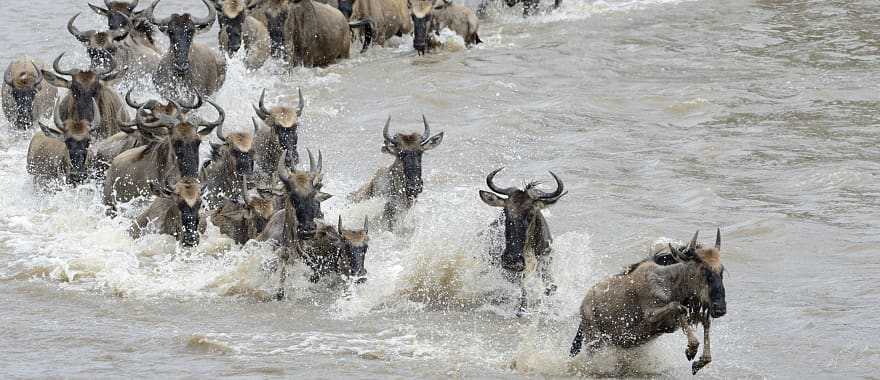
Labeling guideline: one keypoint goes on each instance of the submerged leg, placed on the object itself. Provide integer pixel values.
(706, 358)
(693, 343)
(544, 270)
(279, 295)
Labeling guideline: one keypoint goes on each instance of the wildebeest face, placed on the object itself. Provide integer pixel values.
(713, 271)
(84, 86)
(76, 136)
(186, 194)
(522, 211)
(181, 29)
(284, 122)
(185, 142)
(117, 13)
(422, 21)
(231, 16)
(276, 18)
(353, 246)
(184, 137)
(23, 83)
(408, 150)
(100, 45)
(302, 191)
(239, 150)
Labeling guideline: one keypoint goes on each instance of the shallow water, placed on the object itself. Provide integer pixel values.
(662, 117)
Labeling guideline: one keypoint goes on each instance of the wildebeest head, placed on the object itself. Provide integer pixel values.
(185, 134)
(231, 15)
(181, 29)
(84, 86)
(302, 193)
(239, 150)
(522, 215)
(76, 135)
(284, 122)
(276, 12)
(711, 283)
(408, 150)
(24, 81)
(353, 247)
(151, 110)
(187, 196)
(420, 11)
(118, 13)
(100, 45)
(258, 206)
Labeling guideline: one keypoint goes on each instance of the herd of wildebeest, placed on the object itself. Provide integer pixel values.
(251, 187)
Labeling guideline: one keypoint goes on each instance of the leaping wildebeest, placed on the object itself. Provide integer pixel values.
(61, 152)
(110, 47)
(401, 183)
(85, 86)
(188, 68)
(175, 155)
(520, 237)
(240, 31)
(634, 308)
(176, 211)
(26, 96)
(280, 138)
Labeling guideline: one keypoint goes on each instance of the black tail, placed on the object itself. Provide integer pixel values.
(367, 25)
(578, 341)
(477, 39)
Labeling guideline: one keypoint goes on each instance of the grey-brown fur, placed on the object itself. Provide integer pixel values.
(85, 85)
(279, 137)
(388, 18)
(244, 218)
(239, 31)
(175, 211)
(122, 14)
(459, 19)
(101, 47)
(27, 97)
(231, 161)
(632, 309)
(61, 153)
(319, 34)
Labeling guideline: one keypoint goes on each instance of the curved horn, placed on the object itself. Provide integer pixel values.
(693, 244)
(311, 161)
(59, 124)
(161, 24)
(388, 139)
(283, 171)
(256, 126)
(718, 239)
(39, 75)
(162, 120)
(366, 224)
(262, 112)
(676, 254)
(131, 102)
(199, 101)
(207, 21)
(339, 226)
(490, 182)
(220, 133)
(7, 76)
(99, 10)
(560, 188)
(56, 65)
(82, 37)
(220, 118)
(427, 134)
(302, 103)
(132, 5)
(111, 67)
(97, 112)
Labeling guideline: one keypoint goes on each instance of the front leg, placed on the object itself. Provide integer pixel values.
(544, 262)
(693, 343)
(706, 358)
(666, 315)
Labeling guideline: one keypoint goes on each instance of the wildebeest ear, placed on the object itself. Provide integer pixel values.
(55, 80)
(48, 131)
(389, 149)
(492, 199)
(160, 190)
(433, 142)
(322, 196)
(112, 76)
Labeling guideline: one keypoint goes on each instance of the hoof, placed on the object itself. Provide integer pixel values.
(691, 352)
(279, 296)
(551, 290)
(699, 364)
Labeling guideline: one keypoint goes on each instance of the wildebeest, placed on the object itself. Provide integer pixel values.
(520, 237)
(84, 86)
(230, 163)
(110, 46)
(175, 211)
(26, 96)
(337, 251)
(459, 19)
(188, 68)
(61, 152)
(423, 25)
(530, 7)
(122, 14)
(387, 18)
(275, 14)
(176, 155)
(401, 183)
(319, 34)
(280, 138)
(239, 29)
(632, 309)
(244, 218)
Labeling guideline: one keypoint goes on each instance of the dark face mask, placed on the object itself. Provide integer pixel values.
(100, 58)
(287, 138)
(420, 39)
(412, 171)
(232, 26)
(83, 99)
(189, 219)
(276, 33)
(77, 151)
(716, 293)
(181, 36)
(187, 155)
(116, 21)
(305, 213)
(516, 228)
(24, 107)
(244, 162)
(358, 254)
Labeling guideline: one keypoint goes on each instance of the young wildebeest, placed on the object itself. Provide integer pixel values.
(238, 28)
(319, 34)
(423, 24)
(26, 97)
(110, 46)
(121, 14)
(244, 218)
(337, 251)
(230, 163)
(60, 153)
(387, 18)
(85, 86)
(280, 138)
(525, 235)
(401, 183)
(188, 68)
(632, 309)
(175, 211)
(176, 155)
(458, 18)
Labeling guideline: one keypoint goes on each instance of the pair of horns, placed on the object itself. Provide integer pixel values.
(198, 102)
(393, 141)
(314, 169)
(222, 137)
(116, 35)
(531, 189)
(264, 112)
(10, 81)
(366, 222)
(692, 245)
(200, 23)
(103, 74)
(163, 120)
(59, 124)
(109, 5)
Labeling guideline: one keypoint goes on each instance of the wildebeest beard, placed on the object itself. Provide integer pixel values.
(288, 139)
(181, 37)
(233, 26)
(78, 153)
(24, 107)
(187, 155)
(718, 307)
(276, 33)
(189, 220)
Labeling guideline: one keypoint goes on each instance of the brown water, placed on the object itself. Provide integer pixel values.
(662, 117)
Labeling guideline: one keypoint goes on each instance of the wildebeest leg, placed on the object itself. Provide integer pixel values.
(279, 295)
(706, 358)
(578, 341)
(664, 314)
(693, 343)
(546, 277)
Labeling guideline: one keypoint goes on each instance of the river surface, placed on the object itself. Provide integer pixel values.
(662, 117)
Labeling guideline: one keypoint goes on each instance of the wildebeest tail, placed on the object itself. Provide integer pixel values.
(477, 39)
(578, 339)
(367, 25)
